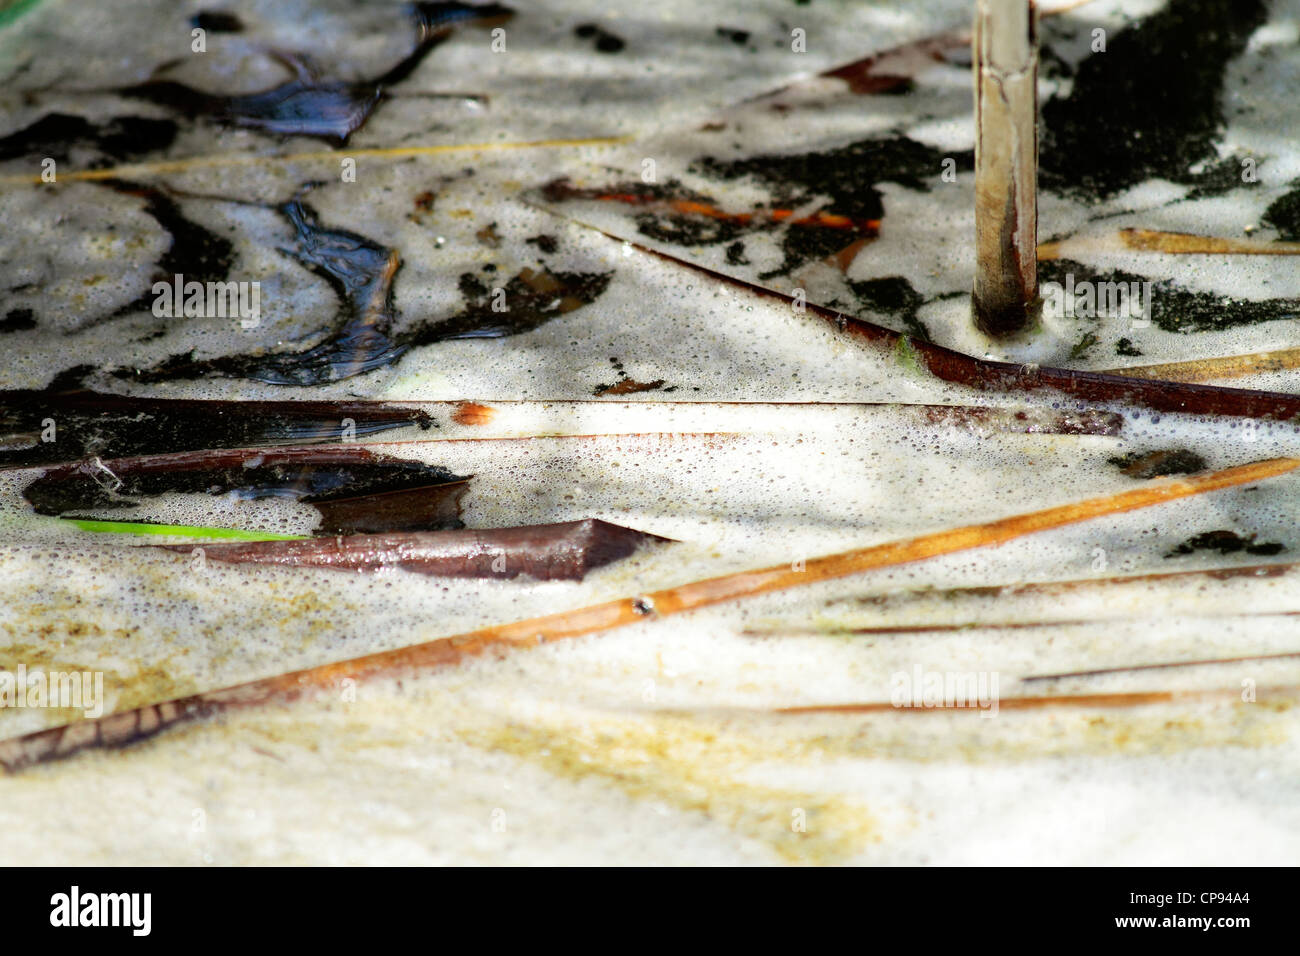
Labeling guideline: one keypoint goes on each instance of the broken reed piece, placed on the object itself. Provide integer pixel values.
(130, 726)
(1005, 56)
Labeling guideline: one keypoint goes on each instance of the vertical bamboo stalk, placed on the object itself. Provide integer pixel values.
(1005, 57)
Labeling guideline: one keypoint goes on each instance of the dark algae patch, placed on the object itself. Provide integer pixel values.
(668, 212)
(627, 385)
(1219, 178)
(546, 243)
(367, 337)
(530, 299)
(1284, 215)
(807, 244)
(847, 177)
(217, 21)
(18, 320)
(1157, 464)
(606, 42)
(1176, 309)
(738, 37)
(686, 229)
(1225, 542)
(195, 251)
(1151, 105)
(57, 135)
(895, 296)
(1085, 345)
(360, 272)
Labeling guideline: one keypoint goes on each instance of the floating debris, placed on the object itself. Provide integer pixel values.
(67, 423)
(306, 105)
(355, 489)
(567, 551)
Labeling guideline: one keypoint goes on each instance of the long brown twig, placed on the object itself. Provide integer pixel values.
(130, 726)
(985, 375)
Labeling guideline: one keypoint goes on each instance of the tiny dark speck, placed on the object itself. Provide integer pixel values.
(17, 320)
(218, 21)
(606, 42)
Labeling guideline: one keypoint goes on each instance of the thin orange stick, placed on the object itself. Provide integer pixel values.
(121, 729)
